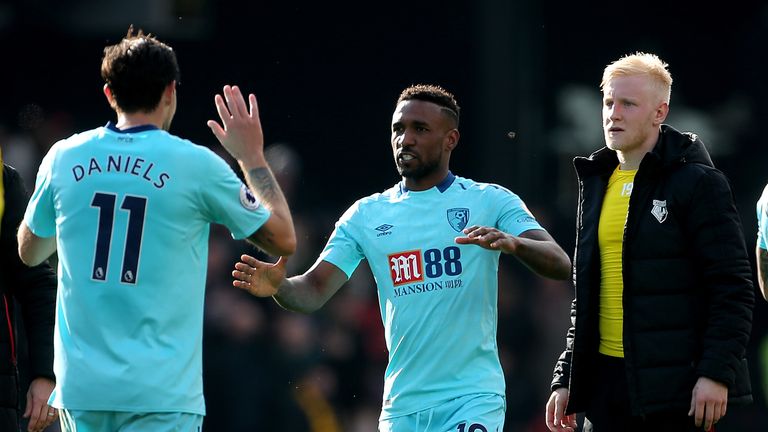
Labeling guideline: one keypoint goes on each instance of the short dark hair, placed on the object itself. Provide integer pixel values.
(435, 94)
(137, 69)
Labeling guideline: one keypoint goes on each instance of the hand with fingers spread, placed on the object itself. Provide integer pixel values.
(39, 413)
(708, 402)
(261, 279)
(240, 130)
(240, 133)
(489, 238)
(556, 419)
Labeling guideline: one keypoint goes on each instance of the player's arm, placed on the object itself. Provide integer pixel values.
(240, 133)
(303, 293)
(535, 248)
(33, 250)
(277, 236)
(762, 270)
(541, 253)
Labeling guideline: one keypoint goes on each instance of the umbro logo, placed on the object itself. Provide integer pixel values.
(384, 230)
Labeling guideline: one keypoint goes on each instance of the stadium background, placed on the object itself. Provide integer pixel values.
(327, 76)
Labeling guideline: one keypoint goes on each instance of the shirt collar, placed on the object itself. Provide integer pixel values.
(442, 186)
(143, 128)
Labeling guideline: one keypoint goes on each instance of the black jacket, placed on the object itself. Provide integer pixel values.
(34, 290)
(688, 293)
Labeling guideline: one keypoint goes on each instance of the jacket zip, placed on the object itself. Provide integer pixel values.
(10, 330)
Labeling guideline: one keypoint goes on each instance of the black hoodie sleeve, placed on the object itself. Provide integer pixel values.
(718, 242)
(34, 288)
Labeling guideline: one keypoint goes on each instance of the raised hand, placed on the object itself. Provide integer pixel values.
(240, 130)
(259, 278)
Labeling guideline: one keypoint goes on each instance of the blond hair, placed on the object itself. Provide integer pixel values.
(641, 63)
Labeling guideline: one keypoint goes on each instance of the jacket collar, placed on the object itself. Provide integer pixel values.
(673, 148)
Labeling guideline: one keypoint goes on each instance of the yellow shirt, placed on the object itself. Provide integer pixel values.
(610, 235)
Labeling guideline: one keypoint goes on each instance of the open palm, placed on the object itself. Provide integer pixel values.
(259, 278)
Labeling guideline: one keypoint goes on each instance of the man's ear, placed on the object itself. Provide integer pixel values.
(452, 139)
(661, 114)
(170, 89)
(110, 96)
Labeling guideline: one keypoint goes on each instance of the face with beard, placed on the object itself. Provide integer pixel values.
(422, 140)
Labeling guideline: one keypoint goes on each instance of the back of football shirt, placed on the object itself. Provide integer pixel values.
(132, 212)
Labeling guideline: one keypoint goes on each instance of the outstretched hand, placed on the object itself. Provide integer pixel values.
(240, 130)
(489, 238)
(261, 279)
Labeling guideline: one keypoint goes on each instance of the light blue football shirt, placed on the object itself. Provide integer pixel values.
(438, 299)
(131, 212)
(762, 220)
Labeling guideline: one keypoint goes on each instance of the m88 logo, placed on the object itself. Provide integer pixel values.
(412, 266)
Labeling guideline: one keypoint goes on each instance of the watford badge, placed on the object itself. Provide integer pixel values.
(659, 210)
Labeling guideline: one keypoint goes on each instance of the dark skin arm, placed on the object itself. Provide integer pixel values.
(534, 248)
(303, 293)
(311, 290)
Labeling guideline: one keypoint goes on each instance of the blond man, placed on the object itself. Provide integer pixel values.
(663, 307)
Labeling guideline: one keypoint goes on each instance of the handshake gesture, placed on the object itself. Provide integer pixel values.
(261, 279)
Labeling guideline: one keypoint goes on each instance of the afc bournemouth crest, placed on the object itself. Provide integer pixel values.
(659, 210)
(458, 218)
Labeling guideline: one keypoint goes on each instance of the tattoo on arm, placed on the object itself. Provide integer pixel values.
(263, 236)
(262, 180)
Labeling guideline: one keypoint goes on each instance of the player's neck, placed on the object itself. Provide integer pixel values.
(426, 182)
(630, 160)
(131, 120)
